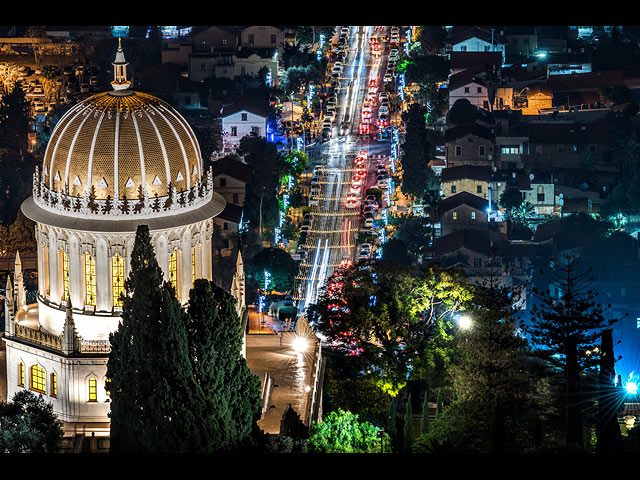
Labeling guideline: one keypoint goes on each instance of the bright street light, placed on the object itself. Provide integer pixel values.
(464, 322)
(300, 344)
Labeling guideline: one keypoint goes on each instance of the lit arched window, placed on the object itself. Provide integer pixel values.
(21, 374)
(54, 385)
(173, 270)
(93, 389)
(193, 266)
(117, 279)
(38, 379)
(90, 279)
(65, 276)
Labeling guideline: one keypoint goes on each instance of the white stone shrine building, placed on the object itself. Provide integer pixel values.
(114, 161)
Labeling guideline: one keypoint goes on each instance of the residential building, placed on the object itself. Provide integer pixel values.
(230, 177)
(246, 115)
(466, 178)
(476, 39)
(463, 211)
(469, 144)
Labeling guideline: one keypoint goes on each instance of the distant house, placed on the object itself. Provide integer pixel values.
(469, 144)
(539, 98)
(215, 38)
(461, 61)
(537, 188)
(476, 39)
(228, 222)
(463, 211)
(563, 146)
(469, 85)
(230, 177)
(466, 178)
(246, 115)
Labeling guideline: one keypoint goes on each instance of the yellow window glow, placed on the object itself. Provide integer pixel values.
(93, 390)
(38, 379)
(54, 385)
(117, 278)
(65, 275)
(173, 270)
(21, 374)
(193, 266)
(90, 279)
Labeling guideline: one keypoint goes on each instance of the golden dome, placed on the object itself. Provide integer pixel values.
(116, 142)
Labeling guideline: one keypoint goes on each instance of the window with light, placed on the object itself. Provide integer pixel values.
(117, 279)
(93, 389)
(193, 266)
(54, 385)
(90, 279)
(38, 379)
(173, 270)
(65, 276)
(21, 374)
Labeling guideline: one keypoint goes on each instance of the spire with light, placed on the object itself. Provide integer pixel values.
(120, 81)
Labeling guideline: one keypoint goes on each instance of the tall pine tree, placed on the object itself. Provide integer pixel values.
(565, 328)
(232, 391)
(156, 403)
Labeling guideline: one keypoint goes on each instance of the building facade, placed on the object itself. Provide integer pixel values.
(116, 160)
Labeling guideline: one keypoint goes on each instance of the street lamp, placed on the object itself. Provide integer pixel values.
(381, 437)
(464, 322)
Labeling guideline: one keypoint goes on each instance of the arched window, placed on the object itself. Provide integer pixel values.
(21, 374)
(54, 385)
(90, 280)
(193, 266)
(173, 270)
(117, 279)
(93, 389)
(38, 379)
(65, 276)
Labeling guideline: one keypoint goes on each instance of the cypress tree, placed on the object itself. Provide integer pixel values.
(409, 433)
(156, 403)
(231, 390)
(425, 421)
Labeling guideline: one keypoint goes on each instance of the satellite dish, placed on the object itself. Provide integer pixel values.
(489, 157)
(531, 176)
(561, 195)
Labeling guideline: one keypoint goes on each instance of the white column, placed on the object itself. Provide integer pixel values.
(54, 290)
(186, 265)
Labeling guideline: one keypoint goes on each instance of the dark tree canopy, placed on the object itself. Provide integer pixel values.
(28, 425)
(279, 264)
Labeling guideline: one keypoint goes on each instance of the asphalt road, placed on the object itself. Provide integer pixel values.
(334, 228)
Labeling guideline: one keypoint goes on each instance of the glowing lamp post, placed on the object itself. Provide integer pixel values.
(464, 322)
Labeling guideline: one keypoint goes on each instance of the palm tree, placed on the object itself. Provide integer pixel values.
(584, 172)
(491, 80)
(522, 212)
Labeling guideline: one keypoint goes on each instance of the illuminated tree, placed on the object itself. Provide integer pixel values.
(343, 432)
(386, 317)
